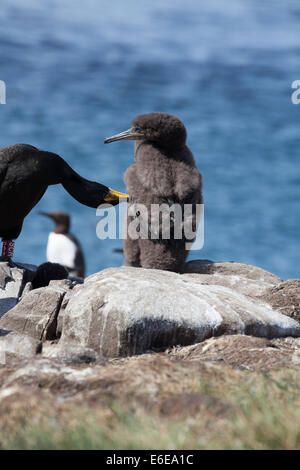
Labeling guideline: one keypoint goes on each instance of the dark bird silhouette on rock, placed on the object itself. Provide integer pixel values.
(47, 272)
(164, 173)
(25, 174)
(63, 247)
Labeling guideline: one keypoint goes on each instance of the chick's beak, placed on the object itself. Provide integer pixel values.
(131, 134)
(114, 197)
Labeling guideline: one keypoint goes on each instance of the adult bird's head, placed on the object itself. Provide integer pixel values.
(61, 220)
(162, 129)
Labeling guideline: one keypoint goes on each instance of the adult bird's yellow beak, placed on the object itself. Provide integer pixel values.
(131, 134)
(115, 196)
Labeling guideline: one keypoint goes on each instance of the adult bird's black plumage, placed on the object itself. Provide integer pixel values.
(47, 272)
(25, 174)
(164, 172)
(63, 247)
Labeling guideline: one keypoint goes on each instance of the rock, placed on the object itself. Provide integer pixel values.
(173, 383)
(27, 288)
(17, 279)
(231, 268)
(243, 352)
(69, 354)
(126, 311)
(14, 345)
(285, 298)
(244, 278)
(206, 383)
(66, 284)
(49, 373)
(12, 282)
(36, 314)
(60, 317)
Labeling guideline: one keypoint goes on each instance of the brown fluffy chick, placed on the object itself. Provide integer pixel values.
(164, 172)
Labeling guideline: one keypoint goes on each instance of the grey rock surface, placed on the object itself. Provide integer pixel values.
(69, 354)
(16, 346)
(126, 311)
(243, 352)
(36, 314)
(12, 282)
(243, 278)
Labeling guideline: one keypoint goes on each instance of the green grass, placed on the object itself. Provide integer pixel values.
(127, 431)
(261, 412)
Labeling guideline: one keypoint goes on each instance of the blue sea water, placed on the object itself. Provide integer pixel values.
(77, 72)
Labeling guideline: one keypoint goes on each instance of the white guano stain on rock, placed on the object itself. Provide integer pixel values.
(124, 311)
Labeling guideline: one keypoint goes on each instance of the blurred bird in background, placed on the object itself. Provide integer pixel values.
(63, 247)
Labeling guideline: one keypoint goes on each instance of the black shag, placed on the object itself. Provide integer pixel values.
(25, 174)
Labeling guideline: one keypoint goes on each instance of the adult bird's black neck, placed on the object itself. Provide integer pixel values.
(86, 192)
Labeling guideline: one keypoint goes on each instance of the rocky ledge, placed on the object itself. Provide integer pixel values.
(147, 341)
(121, 312)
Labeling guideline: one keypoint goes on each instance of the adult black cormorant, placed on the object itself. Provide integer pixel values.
(63, 247)
(25, 174)
(164, 172)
